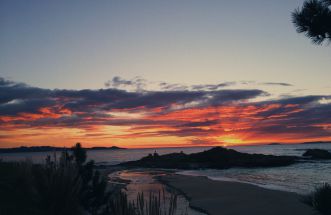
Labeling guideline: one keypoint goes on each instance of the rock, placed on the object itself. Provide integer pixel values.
(217, 158)
(317, 154)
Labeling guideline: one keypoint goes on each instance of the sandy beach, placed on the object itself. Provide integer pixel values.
(233, 198)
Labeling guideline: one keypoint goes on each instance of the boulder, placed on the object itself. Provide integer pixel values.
(317, 154)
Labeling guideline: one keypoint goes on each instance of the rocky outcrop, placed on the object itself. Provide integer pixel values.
(317, 154)
(218, 158)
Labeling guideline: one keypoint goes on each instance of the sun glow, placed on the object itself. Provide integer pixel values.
(229, 140)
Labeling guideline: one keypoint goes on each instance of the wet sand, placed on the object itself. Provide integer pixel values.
(233, 198)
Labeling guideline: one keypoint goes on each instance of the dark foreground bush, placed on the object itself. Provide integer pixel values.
(320, 199)
(69, 186)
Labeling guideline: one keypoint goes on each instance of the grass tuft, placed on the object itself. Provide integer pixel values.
(320, 199)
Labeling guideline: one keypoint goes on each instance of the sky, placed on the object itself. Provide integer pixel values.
(159, 73)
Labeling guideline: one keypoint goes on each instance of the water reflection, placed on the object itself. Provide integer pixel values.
(144, 181)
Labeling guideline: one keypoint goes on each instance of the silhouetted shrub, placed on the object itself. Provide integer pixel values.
(67, 186)
(15, 180)
(320, 199)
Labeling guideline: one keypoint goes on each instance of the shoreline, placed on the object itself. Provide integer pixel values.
(135, 181)
(265, 186)
(178, 190)
(235, 198)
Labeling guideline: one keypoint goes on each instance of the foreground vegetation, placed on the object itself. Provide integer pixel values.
(69, 185)
(154, 204)
(320, 199)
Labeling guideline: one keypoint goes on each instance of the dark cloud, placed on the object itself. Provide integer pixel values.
(313, 115)
(200, 123)
(225, 96)
(266, 83)
(25, 106)
(20, 98)
(140, 84)
(117, 81)
(306, 131)
(304, 116)
(212, 86)
(301, 100)
(167, 86)
(198, 87)
(136, 83)
(10, 91)
(187, 132)
(278, 83)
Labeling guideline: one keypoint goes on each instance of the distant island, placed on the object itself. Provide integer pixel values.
(50, 149)
(312, 142)
(316, 142)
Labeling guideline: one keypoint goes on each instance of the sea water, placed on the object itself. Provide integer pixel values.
(302, 177)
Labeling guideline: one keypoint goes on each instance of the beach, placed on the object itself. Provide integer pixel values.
(234, 198)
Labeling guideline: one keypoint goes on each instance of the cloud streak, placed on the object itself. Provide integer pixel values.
(278, 83)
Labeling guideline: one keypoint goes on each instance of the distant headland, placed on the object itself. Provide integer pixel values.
(312, 142)
(50, 149)
(316, 142)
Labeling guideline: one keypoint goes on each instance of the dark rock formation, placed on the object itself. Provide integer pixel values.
(218, 158)
(317, 154)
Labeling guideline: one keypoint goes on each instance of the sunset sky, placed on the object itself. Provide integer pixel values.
(159, 73)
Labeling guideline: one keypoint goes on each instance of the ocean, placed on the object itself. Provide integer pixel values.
(301, 178)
